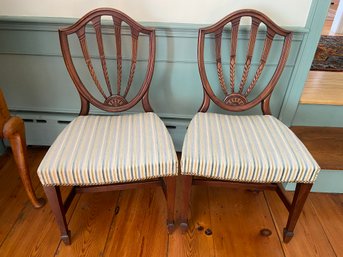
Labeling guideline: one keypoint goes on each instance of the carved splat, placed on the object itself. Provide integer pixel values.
(112, 102)
(235, 99)
(218, 38)
(115, 100)
(239, 100)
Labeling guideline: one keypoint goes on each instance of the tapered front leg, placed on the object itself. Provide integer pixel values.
(186, 197)
(170, 184)
(55, 200)
(301, 193)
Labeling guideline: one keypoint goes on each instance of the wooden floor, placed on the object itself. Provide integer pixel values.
(323, 87)
(132, 223)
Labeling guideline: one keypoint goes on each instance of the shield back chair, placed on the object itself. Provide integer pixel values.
(241, 151)
(97, 153)
(13, 129)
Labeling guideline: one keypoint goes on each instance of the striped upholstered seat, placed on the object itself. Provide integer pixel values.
(94, 150)
(246, 149)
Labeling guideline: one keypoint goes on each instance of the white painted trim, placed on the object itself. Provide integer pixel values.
(337, 25)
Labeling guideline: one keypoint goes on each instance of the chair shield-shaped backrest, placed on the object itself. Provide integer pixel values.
(237, 92)
(105, 80)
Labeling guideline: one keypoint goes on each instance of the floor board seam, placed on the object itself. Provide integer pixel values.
(209, 212)
(68, 222)
(323, 227)
(111, 228)
(275, 224)
(16, 220)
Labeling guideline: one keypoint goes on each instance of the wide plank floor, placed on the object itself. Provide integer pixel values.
(323, 87)
(225, 222)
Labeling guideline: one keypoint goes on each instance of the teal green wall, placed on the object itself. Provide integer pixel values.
(328, 181)
(319, 115)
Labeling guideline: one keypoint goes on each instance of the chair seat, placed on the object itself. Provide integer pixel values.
(95, 150)
(257, 149)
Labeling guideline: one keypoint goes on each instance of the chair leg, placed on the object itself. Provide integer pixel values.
(53, 194)
(186, 197)
(170, 183)
(301, 193)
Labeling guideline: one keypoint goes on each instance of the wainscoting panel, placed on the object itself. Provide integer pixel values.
(319, 115)
(43, 128)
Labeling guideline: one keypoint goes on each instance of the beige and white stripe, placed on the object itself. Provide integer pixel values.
(95, 150)
(256, 148)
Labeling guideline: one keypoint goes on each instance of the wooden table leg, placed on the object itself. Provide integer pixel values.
(13, 129)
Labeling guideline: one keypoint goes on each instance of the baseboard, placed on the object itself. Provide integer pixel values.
(328, 181)
(319, 115)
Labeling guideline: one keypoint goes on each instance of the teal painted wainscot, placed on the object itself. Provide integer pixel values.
(38, 88)
(318, 115)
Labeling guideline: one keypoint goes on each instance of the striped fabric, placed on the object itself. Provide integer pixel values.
(95, 150)
(245, 148)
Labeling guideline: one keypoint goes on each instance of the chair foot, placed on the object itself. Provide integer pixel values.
(170, 227)
(170, 190)
(53, 194)
(40, 203)
(184, 226)
(66, 238)
(287, 235)
(187, 182)
(301, 193)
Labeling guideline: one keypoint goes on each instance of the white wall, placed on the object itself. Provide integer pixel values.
(337, 25)
(284, 12)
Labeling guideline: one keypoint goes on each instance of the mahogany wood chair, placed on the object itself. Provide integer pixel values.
(109, 152)
(241, 151)
(12, 128)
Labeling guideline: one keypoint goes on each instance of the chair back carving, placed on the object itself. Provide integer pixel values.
(236, 96)
(111, 95)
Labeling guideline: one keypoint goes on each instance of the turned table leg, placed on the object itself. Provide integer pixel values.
(13, 129)
(18, 146)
